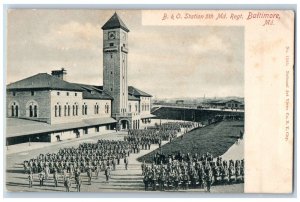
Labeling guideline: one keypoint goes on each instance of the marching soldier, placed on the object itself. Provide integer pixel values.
(67, 184)
(41, 178)
(107, 173)
(185, 180)
(162, 180)
(146, 181)
(55, 177)
(114, 163)
(209, 176)
(154, 180)
(89, 175)
(143, 166)
(176, 180)
(126, 162)
(30, 179)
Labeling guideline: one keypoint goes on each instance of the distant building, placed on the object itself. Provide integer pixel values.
(223, 104)
(48, 108)
(180, 102)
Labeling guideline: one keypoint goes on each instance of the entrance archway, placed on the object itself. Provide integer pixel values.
(124, 124)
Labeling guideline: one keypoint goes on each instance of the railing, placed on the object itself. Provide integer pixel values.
(126, 114)
(110, 49)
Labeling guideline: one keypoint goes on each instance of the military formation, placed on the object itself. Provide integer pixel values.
(69, 164)
(166, 172)
(143, 139)
(186, 172)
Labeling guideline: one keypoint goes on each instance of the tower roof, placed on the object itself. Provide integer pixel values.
(115, 22)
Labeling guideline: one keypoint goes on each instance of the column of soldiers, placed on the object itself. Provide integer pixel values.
(186, 171)
(69, 163)
(142, 139)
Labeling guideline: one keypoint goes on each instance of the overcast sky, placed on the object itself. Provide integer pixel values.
(171, 61)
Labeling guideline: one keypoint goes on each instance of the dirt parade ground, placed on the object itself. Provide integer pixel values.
(121, 180)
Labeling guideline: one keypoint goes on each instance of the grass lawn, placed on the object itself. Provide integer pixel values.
(215, 139)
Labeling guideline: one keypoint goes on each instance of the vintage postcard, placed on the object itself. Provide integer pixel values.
(149, 101)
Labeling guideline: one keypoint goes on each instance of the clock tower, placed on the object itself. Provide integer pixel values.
(115, 51)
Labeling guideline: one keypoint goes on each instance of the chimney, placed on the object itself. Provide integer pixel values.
(61, 74)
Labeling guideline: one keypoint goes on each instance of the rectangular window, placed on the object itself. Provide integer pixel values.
(111, 44)
(14, 93)
(97, 129)
(32, 93)
(58, 93)
(67, 93)
(75, 94)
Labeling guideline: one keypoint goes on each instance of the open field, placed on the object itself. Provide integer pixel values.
(216, 139)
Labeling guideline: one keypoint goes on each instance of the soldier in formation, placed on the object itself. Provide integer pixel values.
(192, 171)
(67, 163)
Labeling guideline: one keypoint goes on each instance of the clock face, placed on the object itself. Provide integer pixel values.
(111, 35)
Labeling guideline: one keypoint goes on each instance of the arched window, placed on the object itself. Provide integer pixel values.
(76, 109)
(65, 112)
(69, 110)
(59, 110)
(14, 109)
(55, 110)
(32, 108)
(35, 111)
(84, 109)
(30, 111)
(96, 110)
(106, 108)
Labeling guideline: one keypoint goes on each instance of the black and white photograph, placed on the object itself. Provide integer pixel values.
(101, 101)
